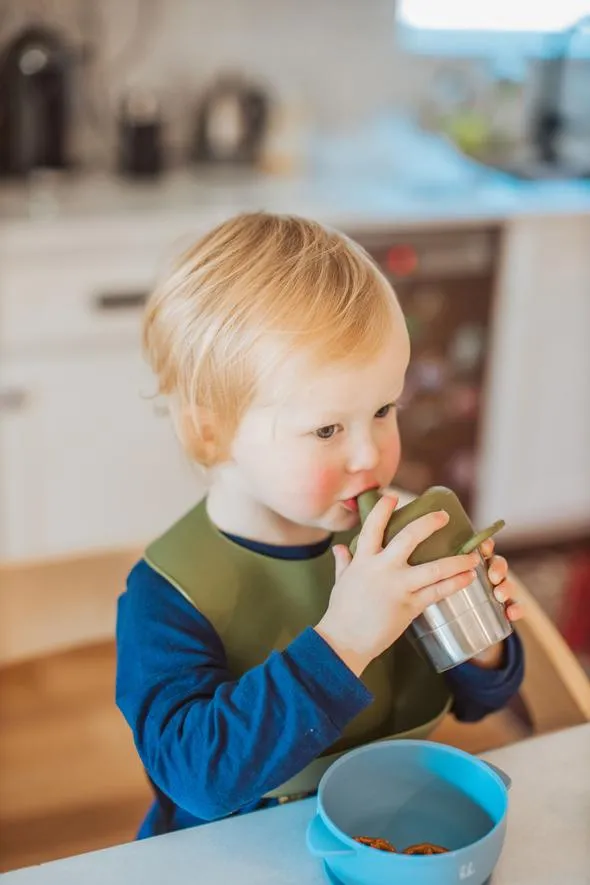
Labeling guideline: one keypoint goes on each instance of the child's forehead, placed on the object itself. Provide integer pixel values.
(305, 383)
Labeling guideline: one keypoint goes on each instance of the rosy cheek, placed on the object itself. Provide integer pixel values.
(322, 485)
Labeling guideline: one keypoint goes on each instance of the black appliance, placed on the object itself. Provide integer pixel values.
(34, 102)
(140, 136)
(445, 280)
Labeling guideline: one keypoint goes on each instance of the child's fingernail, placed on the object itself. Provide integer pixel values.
(500, 596)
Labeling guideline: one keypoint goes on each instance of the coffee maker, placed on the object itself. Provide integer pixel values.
(34, 102)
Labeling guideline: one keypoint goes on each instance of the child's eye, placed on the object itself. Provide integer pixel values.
(326, 432)
(384, 411)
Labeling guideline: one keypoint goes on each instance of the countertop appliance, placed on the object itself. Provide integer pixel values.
(231, 122)
(141, 136)
(35, 69)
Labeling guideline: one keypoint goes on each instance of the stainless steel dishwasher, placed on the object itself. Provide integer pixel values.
(445, 281)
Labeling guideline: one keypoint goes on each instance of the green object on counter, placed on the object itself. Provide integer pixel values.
(470, 131)
(457, 536)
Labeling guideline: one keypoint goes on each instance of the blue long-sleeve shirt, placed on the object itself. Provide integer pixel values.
(212, 745)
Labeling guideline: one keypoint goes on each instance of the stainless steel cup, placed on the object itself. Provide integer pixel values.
(456, 629)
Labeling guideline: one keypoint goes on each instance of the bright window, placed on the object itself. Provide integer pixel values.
(488, 27)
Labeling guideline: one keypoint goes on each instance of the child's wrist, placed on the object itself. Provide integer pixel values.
(491, 658)
(355, 662)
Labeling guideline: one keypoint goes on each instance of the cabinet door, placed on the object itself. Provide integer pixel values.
(535, 469)
(19, 481)
(87, 460)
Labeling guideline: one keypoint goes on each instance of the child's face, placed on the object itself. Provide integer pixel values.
(305, 457)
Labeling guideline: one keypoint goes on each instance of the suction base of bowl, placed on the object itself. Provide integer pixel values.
(332, 880)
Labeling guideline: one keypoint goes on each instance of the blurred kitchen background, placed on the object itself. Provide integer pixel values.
(452, 140)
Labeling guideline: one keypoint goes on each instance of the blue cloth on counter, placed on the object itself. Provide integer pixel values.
(212, 745)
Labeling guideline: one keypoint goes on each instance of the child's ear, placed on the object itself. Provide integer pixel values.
(198, 429)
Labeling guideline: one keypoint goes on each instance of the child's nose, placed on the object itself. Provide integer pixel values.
(363, 456)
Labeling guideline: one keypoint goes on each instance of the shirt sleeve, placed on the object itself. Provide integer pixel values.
(478, 691)
(210, 742)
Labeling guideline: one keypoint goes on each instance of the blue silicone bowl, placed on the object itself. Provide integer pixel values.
(408, 792)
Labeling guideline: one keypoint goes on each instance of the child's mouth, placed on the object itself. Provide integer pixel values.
(352, 504)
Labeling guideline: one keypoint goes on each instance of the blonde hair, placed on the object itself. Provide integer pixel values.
(257, 278)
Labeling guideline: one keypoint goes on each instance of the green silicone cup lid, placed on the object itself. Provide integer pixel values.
(457, 536)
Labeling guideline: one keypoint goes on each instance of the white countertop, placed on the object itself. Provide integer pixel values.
(547, 843)
(393, 175)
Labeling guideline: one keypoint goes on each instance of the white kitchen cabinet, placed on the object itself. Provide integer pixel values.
(535, 468)
(18, 463)
(85, 460)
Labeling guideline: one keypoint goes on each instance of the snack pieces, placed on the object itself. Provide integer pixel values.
(420, 849)
(424, 848)
(379, 844)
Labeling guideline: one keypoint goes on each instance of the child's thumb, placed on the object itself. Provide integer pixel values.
(342, 557)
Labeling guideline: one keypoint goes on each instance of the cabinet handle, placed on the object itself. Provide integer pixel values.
(13, 399)
(107, 302)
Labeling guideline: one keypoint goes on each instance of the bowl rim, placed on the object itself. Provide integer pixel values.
(444, 749)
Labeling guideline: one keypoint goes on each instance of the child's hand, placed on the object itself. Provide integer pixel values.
(377, 594)
(503, 585)
(504, 593)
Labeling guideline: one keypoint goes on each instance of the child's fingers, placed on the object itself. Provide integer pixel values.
(342, 557)
(487, 548)
(370, 539)
(497, 569)
(514, 611)
(405, 542)
(503, 592)
(433, 573)
(435, 592)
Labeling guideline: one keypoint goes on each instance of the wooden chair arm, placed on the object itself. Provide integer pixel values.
(555, 690)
